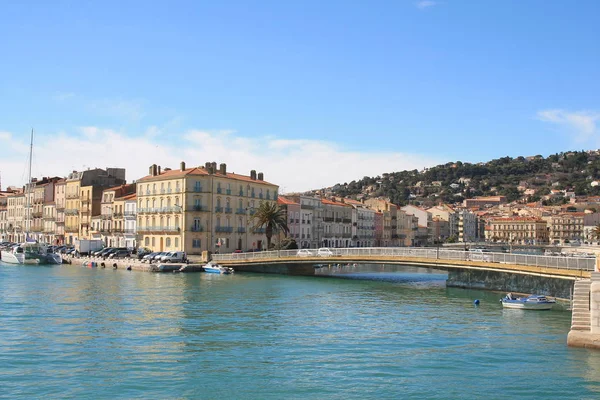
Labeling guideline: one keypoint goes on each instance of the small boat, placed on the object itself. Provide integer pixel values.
(533, 302)
(213, 268)
(53, 258)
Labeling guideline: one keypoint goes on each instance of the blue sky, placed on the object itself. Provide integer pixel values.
(311, 93)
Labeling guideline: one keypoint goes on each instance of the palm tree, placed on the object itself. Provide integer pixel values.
(271, 216)
(596, 232)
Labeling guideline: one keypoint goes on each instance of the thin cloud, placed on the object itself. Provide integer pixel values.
(424, 4)
(294, 165)
(581, 124)
(63, 96)
(130, 110)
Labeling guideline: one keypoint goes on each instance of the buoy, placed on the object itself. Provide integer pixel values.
(115, 266)
(476, 302)
(129, 268)
(103, 265)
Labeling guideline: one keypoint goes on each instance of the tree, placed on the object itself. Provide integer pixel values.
(596, 232)
(272, 217)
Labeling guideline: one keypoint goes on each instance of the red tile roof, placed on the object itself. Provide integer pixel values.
(286, 201)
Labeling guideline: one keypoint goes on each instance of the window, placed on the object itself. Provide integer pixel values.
(176, 242)
(196, 243)
(152, 242)
(147, 241)
(168, 242)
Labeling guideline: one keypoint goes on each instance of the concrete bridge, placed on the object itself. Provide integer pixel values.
(549, 275)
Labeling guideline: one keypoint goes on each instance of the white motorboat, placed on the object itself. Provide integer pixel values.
(214, 268)
(533, 302)
(26, 253)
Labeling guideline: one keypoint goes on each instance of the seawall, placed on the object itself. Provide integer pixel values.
(561, 288)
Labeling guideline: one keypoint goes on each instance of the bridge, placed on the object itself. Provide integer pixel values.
(562, 267)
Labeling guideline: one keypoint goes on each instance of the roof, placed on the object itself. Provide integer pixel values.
(132, 196)
(201, 171)
(286, 201)
(334, 203)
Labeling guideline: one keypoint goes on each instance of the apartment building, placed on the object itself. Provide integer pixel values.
(130, 218)
(111, 207)
(59, 204)
(567, 228)
(337, 223)
(201, 209)
(518, 230)
(83, 191)
(292, 215)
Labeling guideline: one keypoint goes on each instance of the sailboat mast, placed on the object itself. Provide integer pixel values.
(28, 192)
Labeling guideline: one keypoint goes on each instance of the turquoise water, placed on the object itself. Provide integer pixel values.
(72, 332)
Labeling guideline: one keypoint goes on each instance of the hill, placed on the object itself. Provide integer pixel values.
(525, 179)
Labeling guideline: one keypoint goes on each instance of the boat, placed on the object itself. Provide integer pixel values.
(26, 253)
(213, 268)
(53, 258)
(533, 302)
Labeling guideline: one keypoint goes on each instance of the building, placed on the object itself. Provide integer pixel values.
(82, 205)
(201, 209)
(337, 223)
(567, 228)
(484, 201)
(130, 217)
(518, 230)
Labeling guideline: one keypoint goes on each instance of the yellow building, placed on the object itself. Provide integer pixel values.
(518, 230)
(200, 208)
(71, 212)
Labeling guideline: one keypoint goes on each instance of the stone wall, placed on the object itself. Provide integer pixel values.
(510, 282)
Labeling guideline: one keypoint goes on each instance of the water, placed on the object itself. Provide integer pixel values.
(72, 332)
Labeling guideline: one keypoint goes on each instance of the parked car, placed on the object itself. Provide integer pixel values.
(142, 252)
(120, 253)
(304, 253)
(173, 256)
(158, 256)
(324, 252)
(149, 257)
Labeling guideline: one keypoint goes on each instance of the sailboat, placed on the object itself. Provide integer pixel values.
(29, 252)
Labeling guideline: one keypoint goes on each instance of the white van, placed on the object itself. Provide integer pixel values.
(174, 256)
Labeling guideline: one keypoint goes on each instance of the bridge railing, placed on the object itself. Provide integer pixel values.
(562, 262)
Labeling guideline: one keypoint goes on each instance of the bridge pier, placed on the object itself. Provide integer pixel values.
(278, 268)
(561, 288)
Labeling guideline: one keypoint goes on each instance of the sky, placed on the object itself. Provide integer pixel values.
(311, 93)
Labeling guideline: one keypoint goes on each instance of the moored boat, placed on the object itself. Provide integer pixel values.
(213, 268)
(533, 302)
(26, 253)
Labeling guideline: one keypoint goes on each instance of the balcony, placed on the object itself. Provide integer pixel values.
(228, 192)
(60, 222)
(197, 228)
(252, 211)
(224, 229)
(346, 220)
(106, 217)
(129, 214)
(71, 229)
(327, 219)
(72, 196)
(259, 230)
(71, 211)
(159, 229)
(37, 214)
(219, 209)
(228, 210)
(241, 193)
(49, 218)
(199, 207)
(105, 230)
(240, 211)
(60, 207)
(84, 199)
(118, 215)
(241, 229)
(260, 196)
(38, 200)
(305, 206)
(219, 190)
(198, 189)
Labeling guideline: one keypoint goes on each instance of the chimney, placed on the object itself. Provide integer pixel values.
(223, 169)
(158, 170)
(182, 165)
(253, 175)
(213, 167)
(260, 176)
(153, 170)
(207, 167)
